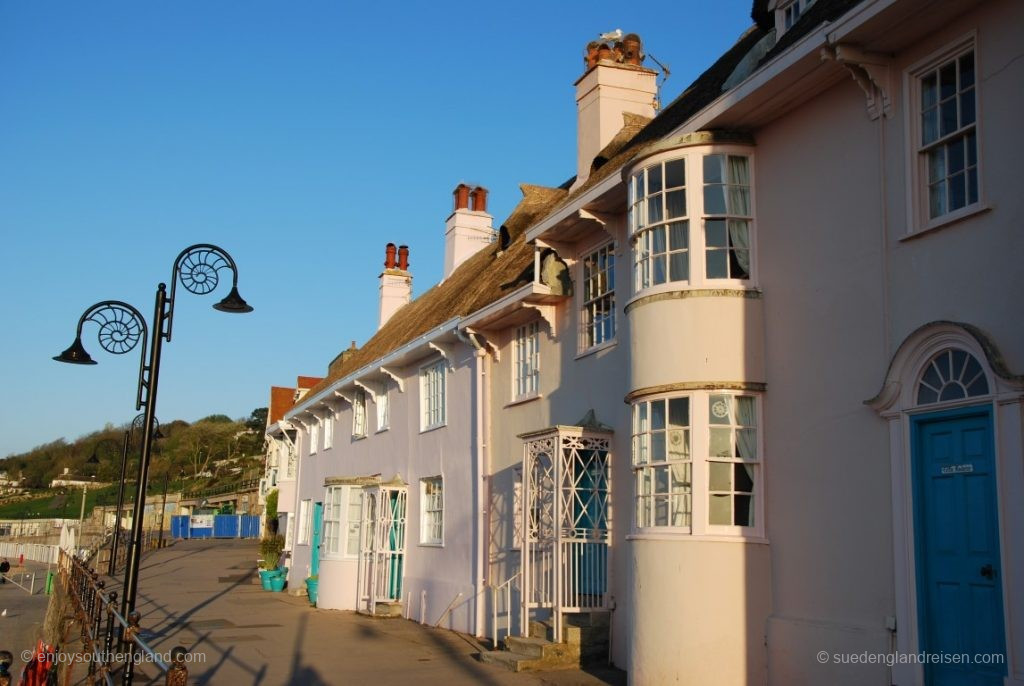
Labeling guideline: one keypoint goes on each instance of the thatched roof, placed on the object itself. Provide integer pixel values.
(481, 280)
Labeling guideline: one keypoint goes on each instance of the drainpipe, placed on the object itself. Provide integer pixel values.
(479, 492)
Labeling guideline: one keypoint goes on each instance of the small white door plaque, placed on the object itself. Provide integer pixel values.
(958, 469)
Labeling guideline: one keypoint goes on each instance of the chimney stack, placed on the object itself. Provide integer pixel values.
(614, 83)
(395, 283)
(468, 229)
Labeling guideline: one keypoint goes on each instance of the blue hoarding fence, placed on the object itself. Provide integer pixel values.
(215, 526)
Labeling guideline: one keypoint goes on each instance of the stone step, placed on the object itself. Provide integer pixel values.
(520, 662)
(543, 649)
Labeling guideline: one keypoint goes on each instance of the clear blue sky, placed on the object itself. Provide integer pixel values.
(299, 136)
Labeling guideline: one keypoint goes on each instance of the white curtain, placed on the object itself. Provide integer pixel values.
(739, 186)
(739, 239)
(746, 438)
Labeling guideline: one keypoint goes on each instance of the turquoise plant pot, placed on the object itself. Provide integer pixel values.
(277, 583)
(312, 585)
(265, 576)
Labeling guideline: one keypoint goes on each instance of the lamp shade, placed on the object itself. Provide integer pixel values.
(233, 302)
(75, 354)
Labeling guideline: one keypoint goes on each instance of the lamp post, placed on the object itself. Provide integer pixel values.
(129, 437)
(121, 328)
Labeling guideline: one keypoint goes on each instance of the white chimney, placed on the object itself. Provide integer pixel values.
(395, 283)
(614, 83)
(468, 229)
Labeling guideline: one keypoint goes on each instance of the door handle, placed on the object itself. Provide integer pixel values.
(988, 572)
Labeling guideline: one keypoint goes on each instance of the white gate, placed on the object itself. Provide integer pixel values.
(566, 523)
(382, 547)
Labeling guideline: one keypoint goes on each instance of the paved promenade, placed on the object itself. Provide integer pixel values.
(22, 626)
(202, 595)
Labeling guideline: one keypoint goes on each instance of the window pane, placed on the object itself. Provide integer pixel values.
(955, 159)
(658, 415)
(675, 173)
(739, 173)
(967, 107)
(654, 179)
(678, 235)
(929, 92)
(658, 447)
(970, 142)
(679, 412)
(676, 204)
(721, 443)
(679, 266)
(713, 169)
(654, 213)
(720, 476)
(929, 125)
(658, 264)
(957, 191)
(714, 233)
(744, 510)
(967, 71)
(720, 409)
(948, 117)
(658, 239)
(937, 199)
(947, 80)
(714, 199)
(720, 512)
(972, 186)
(743, 478)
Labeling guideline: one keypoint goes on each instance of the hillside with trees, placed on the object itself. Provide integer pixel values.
(194, 452)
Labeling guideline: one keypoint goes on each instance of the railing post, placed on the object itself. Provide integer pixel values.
(108, 639)
(177, 674)
(129, 638)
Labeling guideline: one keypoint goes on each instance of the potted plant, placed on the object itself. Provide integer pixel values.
(312, 585)
(270, 553)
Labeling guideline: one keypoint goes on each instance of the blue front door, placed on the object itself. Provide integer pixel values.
(318, 523)
(959, 579)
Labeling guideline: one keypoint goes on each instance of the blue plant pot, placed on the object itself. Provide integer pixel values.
(312, 586)
(277, 583)
(265, 577)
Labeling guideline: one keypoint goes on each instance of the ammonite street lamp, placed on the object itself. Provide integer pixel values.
(121, 328)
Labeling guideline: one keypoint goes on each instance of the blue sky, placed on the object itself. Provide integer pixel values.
(300, 137)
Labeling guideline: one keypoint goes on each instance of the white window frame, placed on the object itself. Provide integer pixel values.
(305, 529)
(646, 205)
(589, 330)
(433, 400)
(731, 214)
(788, 13)
(647, 463)
(343, 507)
(701, 459)
(526, 361)
(328, 422)
(919, 219)
(383, 407)
(432, 512)
(359, 413)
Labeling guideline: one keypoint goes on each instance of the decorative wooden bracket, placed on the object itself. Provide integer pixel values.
(371, 389)
(446, 352)
(394, 377)
(547, 313)
(870, 71)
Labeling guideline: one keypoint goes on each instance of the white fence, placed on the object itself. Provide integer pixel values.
(36, 552)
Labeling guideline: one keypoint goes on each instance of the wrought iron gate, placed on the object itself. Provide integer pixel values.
(382, 547)
(566, 523)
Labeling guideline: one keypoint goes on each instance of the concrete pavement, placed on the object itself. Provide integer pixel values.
(22, 626)
(204, 595)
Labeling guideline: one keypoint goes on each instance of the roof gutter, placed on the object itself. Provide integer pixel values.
(828, 33)
(308, 402)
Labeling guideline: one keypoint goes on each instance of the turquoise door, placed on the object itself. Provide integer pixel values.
(959, 580)
(318, 525)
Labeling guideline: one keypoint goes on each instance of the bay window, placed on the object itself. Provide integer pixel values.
(696, 461)
(709, 218)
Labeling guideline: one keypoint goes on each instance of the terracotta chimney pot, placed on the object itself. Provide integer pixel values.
(403, 257)
(479, 198)
(389, 256)
(461, 194)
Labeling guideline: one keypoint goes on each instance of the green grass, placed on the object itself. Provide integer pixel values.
(52, 504)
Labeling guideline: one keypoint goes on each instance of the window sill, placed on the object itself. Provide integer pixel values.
(431, 545)
(686, 536)
(524, 399)
(597, 348)
(433, 428)
(949, 219)
(382, 430)
(359, 438)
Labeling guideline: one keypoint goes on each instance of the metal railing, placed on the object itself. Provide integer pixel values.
(102, 626)
(503, 591)
(220, 489)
